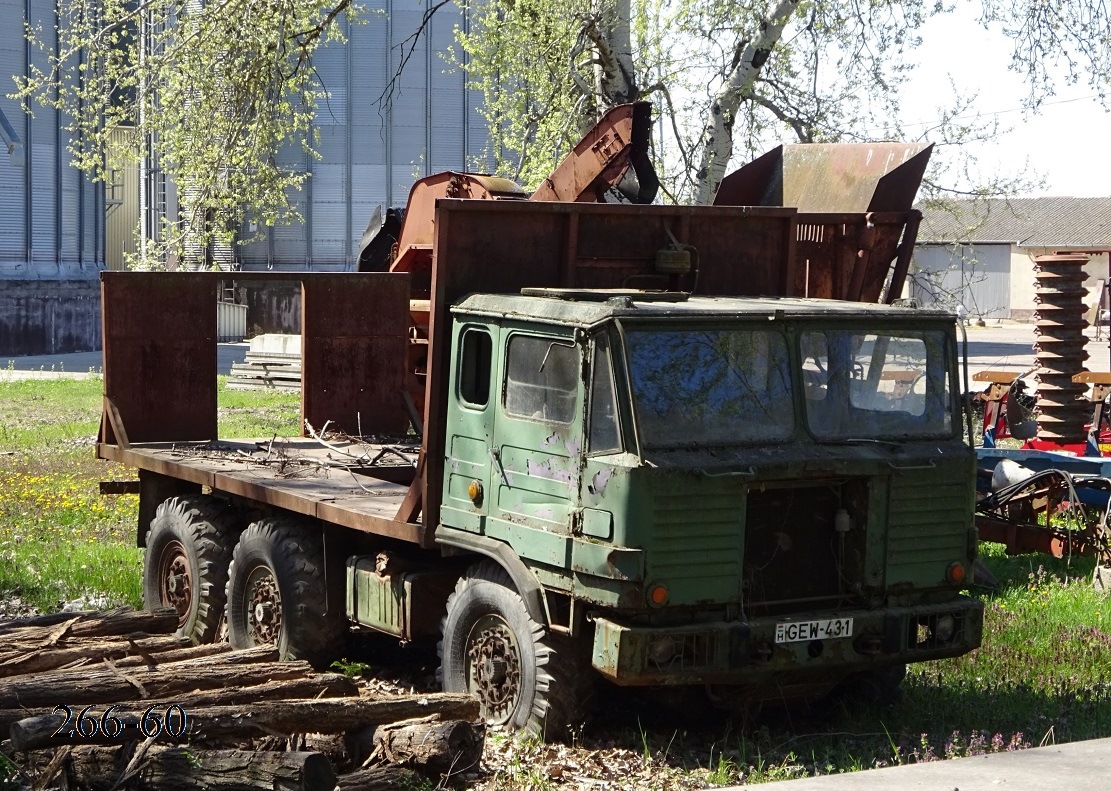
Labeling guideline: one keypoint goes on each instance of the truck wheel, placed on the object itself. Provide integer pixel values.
(186, 563)
(525, 679)
(277, 593)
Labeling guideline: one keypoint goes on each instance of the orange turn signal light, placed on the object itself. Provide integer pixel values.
(956, 572)
(474, 491)
(658, 595)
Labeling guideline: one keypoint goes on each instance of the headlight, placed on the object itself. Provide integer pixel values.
(661, 650)
(945, 628)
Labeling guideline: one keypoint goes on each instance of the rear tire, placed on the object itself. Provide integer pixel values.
(186, 563)
(525, 678)
(277, 593)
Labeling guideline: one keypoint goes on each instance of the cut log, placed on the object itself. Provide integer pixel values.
(181, 769)
(190, 653)
(263, 718)
(38, 660)
(326, 685)
(123, 620)
(380, 778)
(244, 656)
(436, 748)
(116, 685)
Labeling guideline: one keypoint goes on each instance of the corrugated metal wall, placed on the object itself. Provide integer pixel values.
(372, 153)
(122, 208)
(51, 217)
(975, 276)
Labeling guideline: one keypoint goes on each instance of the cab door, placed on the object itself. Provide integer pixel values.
(536, 463)
(470, 427)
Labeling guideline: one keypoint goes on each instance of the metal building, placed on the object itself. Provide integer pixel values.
(51, 217)
(371, 148)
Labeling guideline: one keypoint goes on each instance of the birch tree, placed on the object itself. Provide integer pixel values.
(732, 75)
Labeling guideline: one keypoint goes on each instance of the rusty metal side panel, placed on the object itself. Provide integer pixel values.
(846, 256)
(825, 177)
(602, 157)
(746, 252)
(160, 354)
(354, 329)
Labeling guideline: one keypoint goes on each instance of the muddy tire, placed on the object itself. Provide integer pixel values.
(186, 563)
(277, 593)
(525, 678)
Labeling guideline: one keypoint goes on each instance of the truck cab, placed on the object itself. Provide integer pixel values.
(762, 496)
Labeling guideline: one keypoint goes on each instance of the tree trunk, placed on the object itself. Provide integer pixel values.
(123, 620)
(380, 778)
(263, 718)
(257, 655)
(19, 659)
(716, 142)
(436, 748)
(114, 685)
(189, 654)
(181, 769)
(327, 685)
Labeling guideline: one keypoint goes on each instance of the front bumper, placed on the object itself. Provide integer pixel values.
(743, 652)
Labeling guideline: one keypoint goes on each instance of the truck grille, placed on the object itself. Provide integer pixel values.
(928, 522)
(697, 545)
(792, 551)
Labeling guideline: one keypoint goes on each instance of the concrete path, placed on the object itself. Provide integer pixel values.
(1080, 766)
(80, 365)
(1009, 346)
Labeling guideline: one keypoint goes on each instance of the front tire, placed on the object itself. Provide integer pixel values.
(524, 678)
(277, 593)
(186, 563)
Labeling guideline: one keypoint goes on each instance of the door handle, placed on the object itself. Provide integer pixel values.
(496, 459)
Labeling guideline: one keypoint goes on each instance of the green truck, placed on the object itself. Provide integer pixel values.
(551, 453)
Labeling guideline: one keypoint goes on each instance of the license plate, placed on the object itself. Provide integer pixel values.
(813, 630)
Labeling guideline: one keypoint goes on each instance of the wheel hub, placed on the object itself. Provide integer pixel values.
(494, 668)
(264, 607)
(175, 580)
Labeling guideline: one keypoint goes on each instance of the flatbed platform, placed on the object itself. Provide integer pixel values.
(337, 483)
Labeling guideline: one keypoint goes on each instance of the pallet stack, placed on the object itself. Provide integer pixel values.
(112, 700)
(273, 362)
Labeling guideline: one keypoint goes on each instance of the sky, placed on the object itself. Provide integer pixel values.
(1065, 141)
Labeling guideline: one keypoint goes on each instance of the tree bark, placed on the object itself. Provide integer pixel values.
(123, 620)
(181, 769)
(190, 653)
(437, 748)
(380, 778)
(19, 659)
(263, 718)
(114, 685)
(716, 142)
(326, 685)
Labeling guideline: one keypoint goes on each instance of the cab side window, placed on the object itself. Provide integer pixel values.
(474, 368)
(541, 380)
(605, 434)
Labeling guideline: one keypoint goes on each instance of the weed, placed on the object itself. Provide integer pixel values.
(350, 668)
(9, 774)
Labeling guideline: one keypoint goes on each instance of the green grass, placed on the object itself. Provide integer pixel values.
(59, 539)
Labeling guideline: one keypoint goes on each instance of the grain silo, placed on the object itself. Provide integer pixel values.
(51, 217)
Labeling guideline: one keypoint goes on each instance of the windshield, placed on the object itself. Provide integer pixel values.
(862, 385)
(710, 387)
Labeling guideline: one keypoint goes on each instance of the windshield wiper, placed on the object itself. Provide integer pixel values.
(865, 441)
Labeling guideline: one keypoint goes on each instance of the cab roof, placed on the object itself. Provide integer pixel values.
(586, 308)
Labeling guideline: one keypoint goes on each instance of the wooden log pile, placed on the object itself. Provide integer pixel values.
(112, 700)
